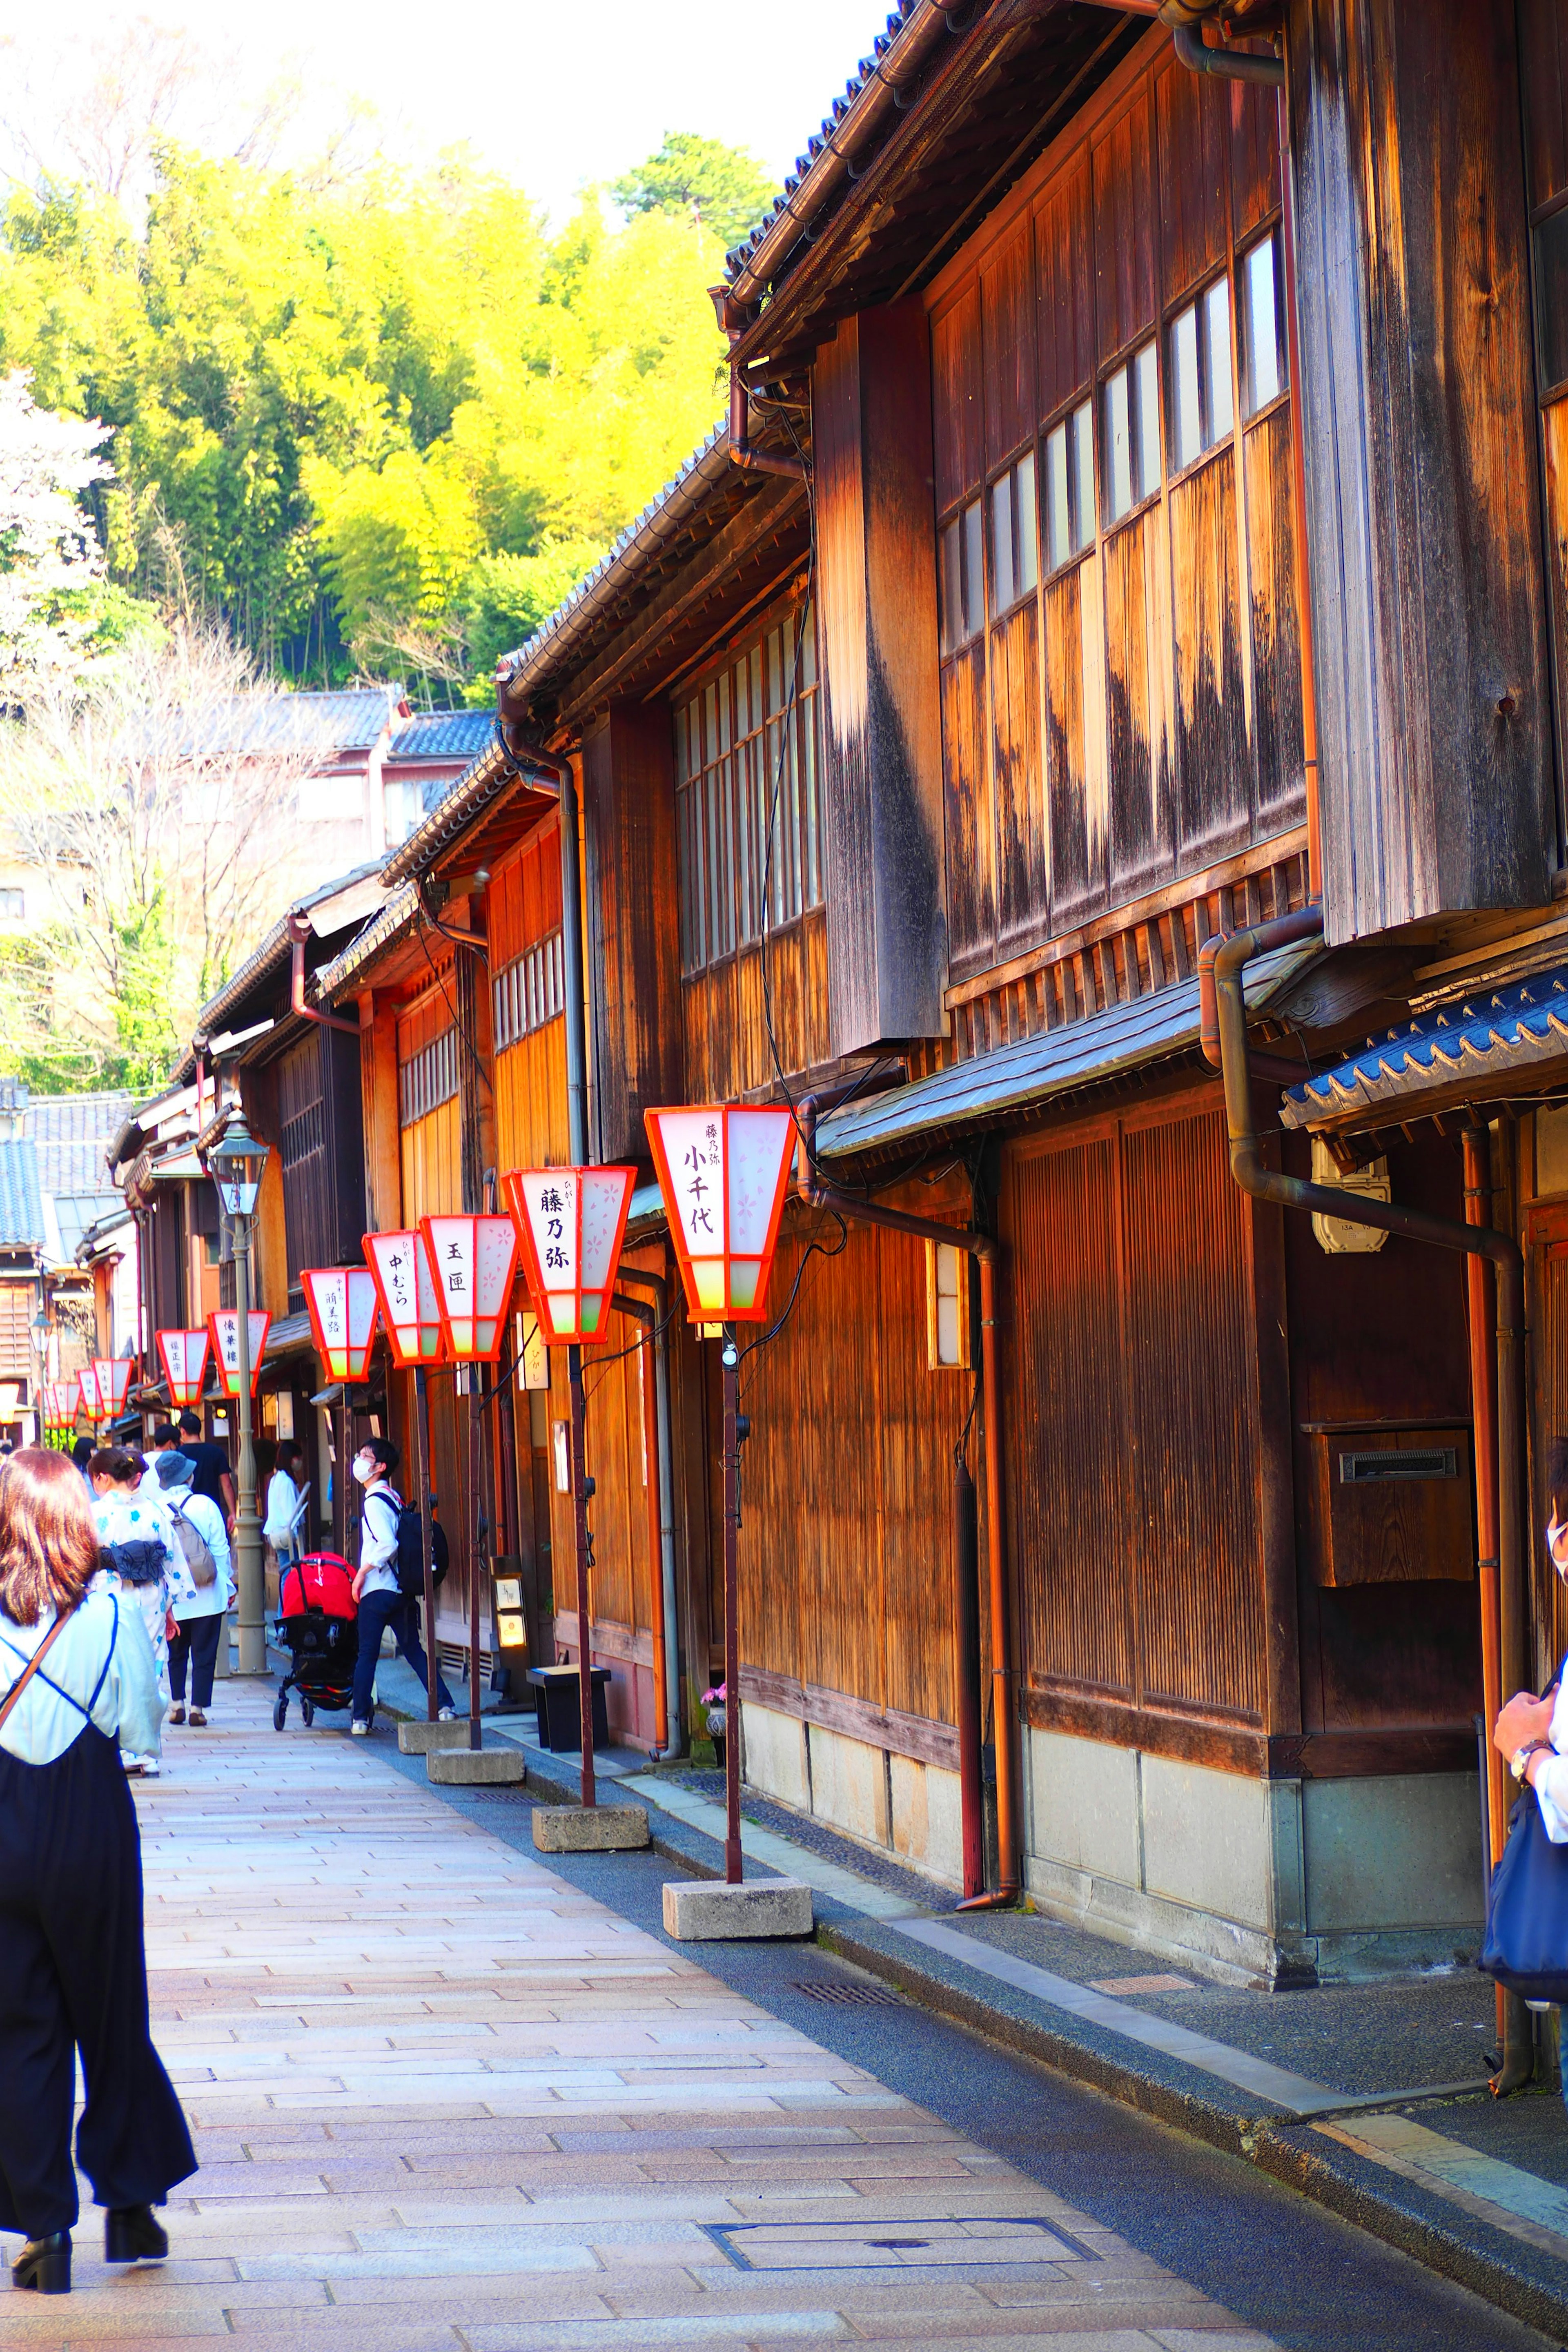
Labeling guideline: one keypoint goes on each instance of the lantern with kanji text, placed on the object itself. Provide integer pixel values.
(184, 1357)
(722, 1170)
(344, 1308)
(87, 1384)
(112, 1374)
(224, 1325)
(410, 1310)
(474, 1260)
(570, 1223)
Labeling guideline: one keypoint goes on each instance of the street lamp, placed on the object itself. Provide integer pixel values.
(722, 1170)
(235, 1164)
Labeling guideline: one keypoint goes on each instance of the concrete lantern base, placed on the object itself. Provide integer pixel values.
(590, 1829)
(706, 1910)
(484, 1767)
(417, 1739)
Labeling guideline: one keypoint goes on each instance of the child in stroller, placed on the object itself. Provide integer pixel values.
(316, 1624)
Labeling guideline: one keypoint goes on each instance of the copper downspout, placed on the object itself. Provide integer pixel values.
(1475, 1239)
(987, 1250)
(298, 933)
(756, 461)
(1483, 1394)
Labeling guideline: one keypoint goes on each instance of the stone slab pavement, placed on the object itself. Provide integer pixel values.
(442, 2099)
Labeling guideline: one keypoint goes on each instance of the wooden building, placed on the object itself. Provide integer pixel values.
(1137, 522)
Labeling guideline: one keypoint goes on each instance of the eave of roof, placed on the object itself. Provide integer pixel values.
(1485, 1041)
(399, 915)
(493, 773)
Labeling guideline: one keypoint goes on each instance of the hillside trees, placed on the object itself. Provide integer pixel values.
(344, 413)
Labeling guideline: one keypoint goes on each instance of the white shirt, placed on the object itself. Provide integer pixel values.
(188, 1598)
(101, 1671)
(283, 1495)
(378, 1539)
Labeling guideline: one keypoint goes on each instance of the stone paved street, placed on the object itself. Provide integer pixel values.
(442, 2099)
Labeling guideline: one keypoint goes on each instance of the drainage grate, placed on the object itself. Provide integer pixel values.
(849, 1996)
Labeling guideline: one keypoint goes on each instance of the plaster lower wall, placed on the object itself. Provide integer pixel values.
(893, 1804)
(1272, 1881)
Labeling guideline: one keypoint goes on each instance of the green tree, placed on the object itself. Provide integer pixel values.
(724, 188)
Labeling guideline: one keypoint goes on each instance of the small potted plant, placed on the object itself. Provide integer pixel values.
(717, 1720)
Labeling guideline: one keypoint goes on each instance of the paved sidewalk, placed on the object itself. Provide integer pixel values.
(442, 2099)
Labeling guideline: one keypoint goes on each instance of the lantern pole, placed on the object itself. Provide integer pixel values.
(247, 1523)
(476, 1440)
(582, 1488)
(734, 1436)
(427, 1540)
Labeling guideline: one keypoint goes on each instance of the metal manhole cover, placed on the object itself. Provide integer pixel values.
(849, 1996)
(944, 2242)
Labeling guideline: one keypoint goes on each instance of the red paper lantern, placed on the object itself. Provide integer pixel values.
(112, 1374)
(570, 1222)
(474, 1260)
(184, 1355)
(410, 1310)
(722, 1170)
(224, 1325)
(87, 1382)
(343, 1307)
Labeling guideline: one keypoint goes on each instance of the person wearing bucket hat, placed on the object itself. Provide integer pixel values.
(202, 1583)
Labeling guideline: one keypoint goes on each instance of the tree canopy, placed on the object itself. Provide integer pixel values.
(398, 411)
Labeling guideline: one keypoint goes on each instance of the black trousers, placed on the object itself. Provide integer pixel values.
(198, 1641)
(73, 1975)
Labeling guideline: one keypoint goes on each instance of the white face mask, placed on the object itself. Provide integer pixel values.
(364, 1468)
(1557, 1544)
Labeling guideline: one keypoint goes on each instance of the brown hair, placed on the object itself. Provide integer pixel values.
(116, 1462)
(48, 1538)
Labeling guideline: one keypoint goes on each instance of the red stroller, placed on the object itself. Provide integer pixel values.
(316, 1614)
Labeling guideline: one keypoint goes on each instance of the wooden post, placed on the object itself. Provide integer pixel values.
(422, 1465)
(472, 1372)
(580, 1491)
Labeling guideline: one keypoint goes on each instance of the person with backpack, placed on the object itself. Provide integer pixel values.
(387, 1585)
(136, 1553)
(202, 1581)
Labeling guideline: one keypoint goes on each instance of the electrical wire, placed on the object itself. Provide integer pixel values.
(814, 1248)
(646, 1336)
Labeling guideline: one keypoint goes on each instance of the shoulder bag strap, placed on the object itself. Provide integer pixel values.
(31, 1669)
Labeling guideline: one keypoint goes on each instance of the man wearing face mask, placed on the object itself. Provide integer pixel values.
(376, 1587)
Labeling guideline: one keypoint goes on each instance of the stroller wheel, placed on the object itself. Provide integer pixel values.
(308, 1711)
(280, 1711)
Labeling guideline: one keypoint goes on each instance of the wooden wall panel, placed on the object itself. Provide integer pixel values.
(1021, 839)
(1191, 1362)
(1008, 332)
(956, 404)
(433, 1164)
(1214, 753)
(1544, 70)
(725, 1013)
(1275, 637)
(628, 800)
(1064, 233)
(1138, 744)
(970, 817)
(1126, 220)
(1194, 115)
(1253, 157)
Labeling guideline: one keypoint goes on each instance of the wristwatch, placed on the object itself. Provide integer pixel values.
(1521, 1756)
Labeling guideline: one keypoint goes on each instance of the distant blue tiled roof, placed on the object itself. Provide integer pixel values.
(444, 735)
(21, 1203)
(1487, 1036)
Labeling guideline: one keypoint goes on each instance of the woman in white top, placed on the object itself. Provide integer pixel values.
(282, 1502)
(138, 1547)
(199, 1608)
(77, 1683)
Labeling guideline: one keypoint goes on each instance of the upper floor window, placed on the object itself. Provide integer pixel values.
(1015, 536)
(1069, 486)
(1131, 442)
(748, 800)
(1260, 317)
(1203, 404)
(961, 577)
(529, 991)
(427, 1079)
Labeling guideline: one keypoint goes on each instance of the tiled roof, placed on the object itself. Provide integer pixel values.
(490, 776)
(70, 1134)
(1488, 1035)
(398, 913)
(444, 735)
(348, 722)
(21, 1203)
(271, 956)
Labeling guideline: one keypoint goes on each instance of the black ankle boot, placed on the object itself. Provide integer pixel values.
(45, 2265)
(132, 2235)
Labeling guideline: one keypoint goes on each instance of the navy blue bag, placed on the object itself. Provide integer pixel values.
(1526, 1944)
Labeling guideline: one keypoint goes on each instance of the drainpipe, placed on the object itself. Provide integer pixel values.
(1473, 1240)
(1483, 1392)
(1185, 18)
(984, 1246)
(298, 933)
(673, 1742)
(756, 461)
